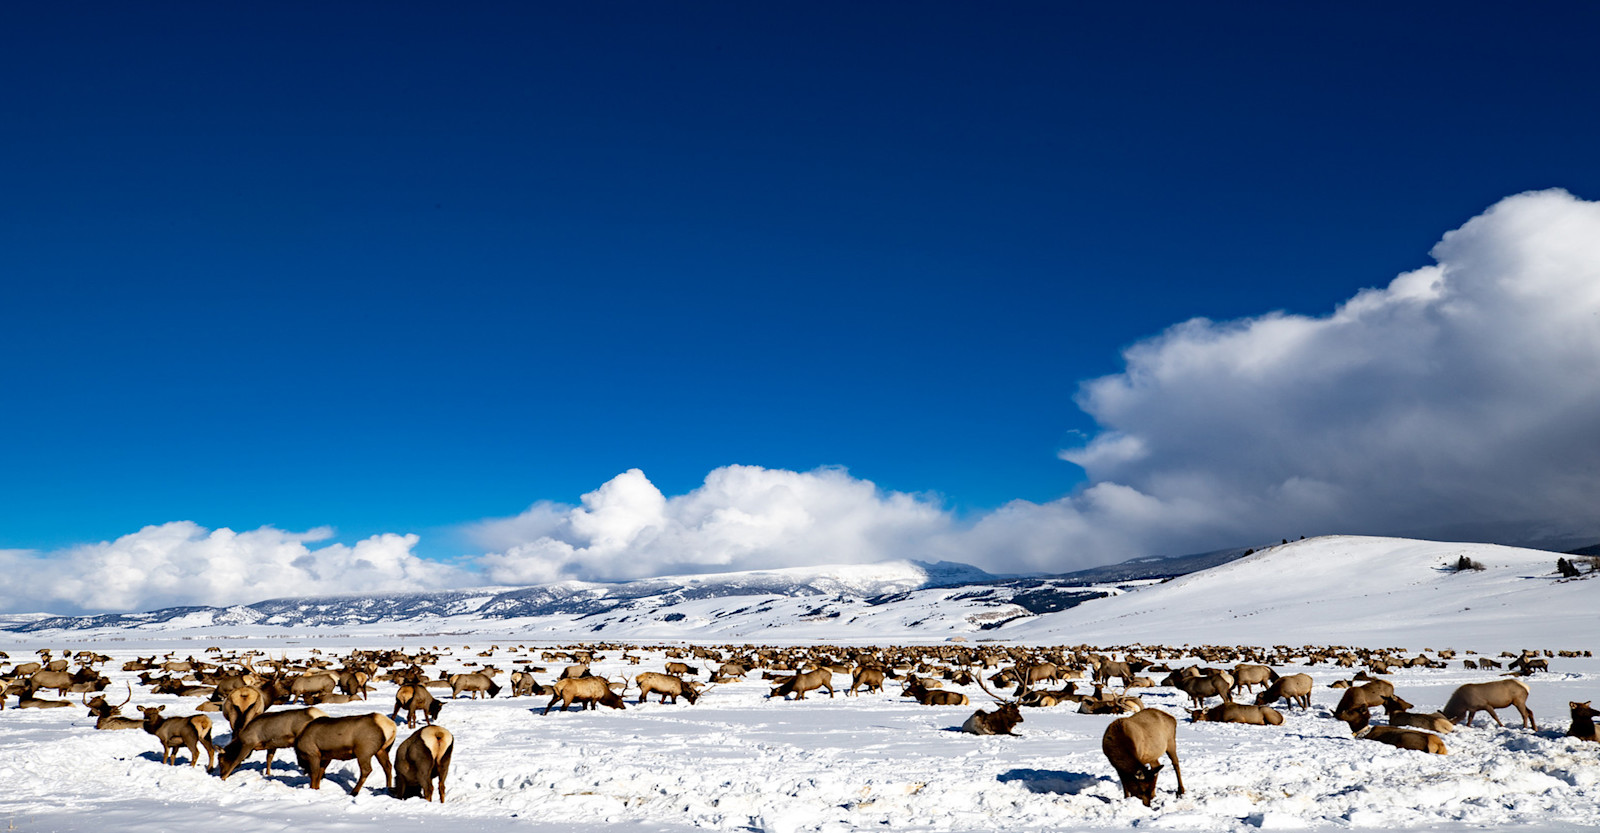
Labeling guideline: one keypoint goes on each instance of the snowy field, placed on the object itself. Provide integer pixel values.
(737, 761)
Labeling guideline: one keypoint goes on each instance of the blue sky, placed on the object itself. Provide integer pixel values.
(398, 268)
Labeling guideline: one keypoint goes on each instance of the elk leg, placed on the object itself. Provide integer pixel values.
(388, 769)
(1527, 715)
(1172, 753)
(270, 753)
(366, 769)
(1496, 718)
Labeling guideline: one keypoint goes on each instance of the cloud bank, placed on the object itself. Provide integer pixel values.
(1460, 400)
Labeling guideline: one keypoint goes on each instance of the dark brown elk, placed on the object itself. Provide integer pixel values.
(1582, 721)
(1134, 746)
(1295, 688)
(1002, 721)
(1238, 713)
(190, 732)
(803, 682)
(476, 683)
(271, 731)
(1472, 698)
(422, 759)
(361, 738)
(666, 685)
(586, 692)
(1405, 739)
(932, 696)
(416, 698)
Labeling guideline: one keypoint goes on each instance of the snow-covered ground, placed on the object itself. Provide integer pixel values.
(739, 761)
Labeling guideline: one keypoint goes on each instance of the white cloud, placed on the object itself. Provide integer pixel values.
(184, 563)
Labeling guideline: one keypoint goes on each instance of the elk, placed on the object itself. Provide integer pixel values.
(932, 696)
(271, 731)
(27, 700)
(191, 732)
(1101, 703)
(523, 683)
(804, 681)
(1404, 739)
(1212, 682)
(586, 691)
(58, 680)
(682, 669)
(1246, 676)
(1238, 713)
(416, 698)
(1582, 721)
(1134, 746)
(1361, 699)
(360, 737)
(421, 759)
(475, 682)
(310, 684)
(1399, 715)
(666, 685)
(1295, 688)
(353, 682)
(869, 677)
(241, 705)
(1001, 721)
(1472, 698)
(109, 717)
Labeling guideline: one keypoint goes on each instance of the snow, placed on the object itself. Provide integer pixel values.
(738, 761)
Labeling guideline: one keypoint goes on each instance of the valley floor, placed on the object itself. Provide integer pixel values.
(737, 761)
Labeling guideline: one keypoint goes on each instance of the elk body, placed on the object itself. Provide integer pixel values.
(1295, 688)
(1361, 699)
(1134, 746)
(109, 717)
(241, 705)
(666, 685)
(1472, 698)
(932, 696)
(1400, 715)
(804, 681)
(1001, 721)
(475, 682)
(1238, 713)
(416, 698)
(1582, 721)
(869, 677)
(1405, 739)
(1246, 676)
(271, 731)
(1212, 682)
(361, 738)
(422, 759)
(586, 691)
(315, 685)
(190, 732)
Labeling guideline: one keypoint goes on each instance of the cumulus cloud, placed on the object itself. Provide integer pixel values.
(742, 517)
(184, 563)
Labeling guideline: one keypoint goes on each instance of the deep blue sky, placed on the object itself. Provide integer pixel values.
(398, 267)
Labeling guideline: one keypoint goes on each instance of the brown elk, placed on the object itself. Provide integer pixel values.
(869, 677)
(58, 680)
(1582, 721)
(666, 685)
(804, 681)
(1360, 700)
(1238, 713)
(271, 731)
(1472, 698)
(109, 717)
(1211, 682)
(353, 682)
(241, 705)
(915, 689)
(1102, 703)
(416, 698)
(1247, 676)
(1400, 715)
(27, 700)
(586, 691)
(422, 759)
(311, 685)
(1405, 739)
(476, 683)
(361, 738)
(1002, 721)
(190, 731)
(523, 684)
(1134, 746)
(682, 669)
(1295, 688)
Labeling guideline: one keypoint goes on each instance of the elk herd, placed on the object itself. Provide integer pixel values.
(270, 704)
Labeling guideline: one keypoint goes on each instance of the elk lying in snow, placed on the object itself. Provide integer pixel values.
(1361, 699)
(1102, 703)
(416, 698)
(1001, 721)
(271, 731)
(932, 696)
(1472, 698)
(666, 685)
(1296, 688)
(1400, 715)
(360, 738)
(1238, 713)
(586, 691)
(804, 681)
(1404, 739)
(1582, 721)
(422, 759)
(191, 732)
(1134, 746)
(109, 717)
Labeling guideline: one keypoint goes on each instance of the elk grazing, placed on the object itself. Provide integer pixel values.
(1472, 698)
(1404, 739)
(804, 681)
(475, 682)
(422, 759)
(932, 696)
(869, 677)
(316, 684)
(360, 738)
(271, 731)
(191, 732)
(523, 684)
(1582, 721)
(416, 698)
(1238, 713)
(1001, 721)
(586, 691)
(666, 685)
(1295, 688)
(1134, 746)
